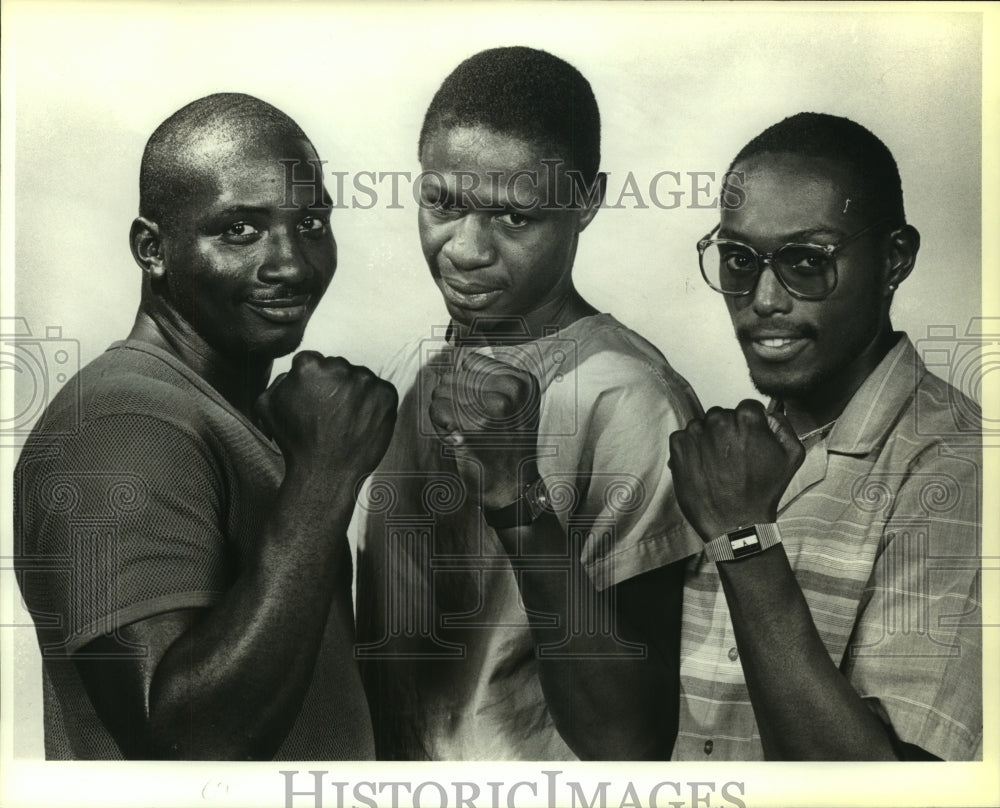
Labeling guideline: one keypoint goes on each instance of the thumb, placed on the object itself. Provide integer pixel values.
(262, 413)
(783, 431)
(263, 408)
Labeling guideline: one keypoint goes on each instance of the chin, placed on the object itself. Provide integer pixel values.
(464, 316)
(781, 386)
(276, 348)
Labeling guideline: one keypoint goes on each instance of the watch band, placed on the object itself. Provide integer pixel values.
(743, 542)
(522, 511)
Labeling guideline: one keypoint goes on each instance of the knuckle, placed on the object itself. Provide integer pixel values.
(438, 410)
(749, 406)
(305, 358)
(337, 365)
(716, 417)
(525, 386)
(497, 403)
(693, 428)
(387, 390)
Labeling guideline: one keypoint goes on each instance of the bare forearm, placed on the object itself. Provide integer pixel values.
(240, 674)
(607, 687)
(805, 708)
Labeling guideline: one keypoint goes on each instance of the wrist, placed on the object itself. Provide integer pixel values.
(508, 488)
(531, 502)
(334, 495)
(710, 528)
(742, 542)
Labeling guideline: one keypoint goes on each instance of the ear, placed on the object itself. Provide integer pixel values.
(146, 241)
(904, 244)
(592, 200)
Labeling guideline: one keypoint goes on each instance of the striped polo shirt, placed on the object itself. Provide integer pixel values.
(881, 525)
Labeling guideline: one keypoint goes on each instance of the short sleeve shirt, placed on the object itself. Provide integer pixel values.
(881, 525)
(449, 659)
(140, 492)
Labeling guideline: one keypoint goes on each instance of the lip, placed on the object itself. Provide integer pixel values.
(469, 295)
(776, 347)
(281, 309)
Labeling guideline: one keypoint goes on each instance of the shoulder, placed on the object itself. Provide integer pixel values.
(943, 413)
(940, 428)
(131, 400)
(612, 359)
(404, 365)
(127, 378)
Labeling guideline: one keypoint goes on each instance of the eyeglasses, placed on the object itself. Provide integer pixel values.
(806, 271)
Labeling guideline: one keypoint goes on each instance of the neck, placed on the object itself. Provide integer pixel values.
(238, 379)
(828, 400)
(551, 316)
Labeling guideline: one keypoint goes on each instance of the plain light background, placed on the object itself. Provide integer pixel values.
(680, 87)
(677, 92)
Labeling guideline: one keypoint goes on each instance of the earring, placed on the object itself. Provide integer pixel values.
(892, 287)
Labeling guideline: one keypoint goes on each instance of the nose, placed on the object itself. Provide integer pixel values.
(285, 260)
(770, 297)
(469, 243)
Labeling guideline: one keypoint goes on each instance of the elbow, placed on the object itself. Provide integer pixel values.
(181, 729)
(621, 735)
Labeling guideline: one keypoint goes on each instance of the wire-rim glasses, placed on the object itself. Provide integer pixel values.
(806, 271)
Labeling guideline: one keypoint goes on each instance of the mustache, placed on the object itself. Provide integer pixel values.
(283, 295)
(748, 333)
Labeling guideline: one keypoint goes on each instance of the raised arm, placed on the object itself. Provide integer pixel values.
(730, 470)
(606, 675)
(227, 682)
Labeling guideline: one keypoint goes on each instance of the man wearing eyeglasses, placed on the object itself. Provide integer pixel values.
(834, 612)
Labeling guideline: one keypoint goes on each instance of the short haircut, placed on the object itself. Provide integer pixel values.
(164, 178)
(842, 141)
(523, 92)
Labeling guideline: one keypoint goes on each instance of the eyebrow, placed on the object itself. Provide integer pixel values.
(797, 236)
(234, 210)
(256, 210)
(447, 192)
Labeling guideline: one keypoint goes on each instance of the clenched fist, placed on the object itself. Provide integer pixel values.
(488, 412)
(731, 467)
(329, 417)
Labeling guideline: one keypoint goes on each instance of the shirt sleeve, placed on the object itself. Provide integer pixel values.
(121, 522)
(627, 519)
(916, 652)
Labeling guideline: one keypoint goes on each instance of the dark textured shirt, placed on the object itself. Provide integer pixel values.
(142, 494)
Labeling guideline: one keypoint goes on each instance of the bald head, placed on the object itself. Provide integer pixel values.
(194, 135)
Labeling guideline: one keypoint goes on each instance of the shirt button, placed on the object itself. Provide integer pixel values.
(708, 747)
(733, 654)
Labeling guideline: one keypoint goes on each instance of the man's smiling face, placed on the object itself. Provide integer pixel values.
(801, 349)
(245, 268)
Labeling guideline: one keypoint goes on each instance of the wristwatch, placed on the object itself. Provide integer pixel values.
(522, 511)
(743, 542)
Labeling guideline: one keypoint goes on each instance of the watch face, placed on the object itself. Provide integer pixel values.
(537, 498)
(744, 542)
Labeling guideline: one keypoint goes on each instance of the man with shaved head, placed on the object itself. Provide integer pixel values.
(182, 548)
